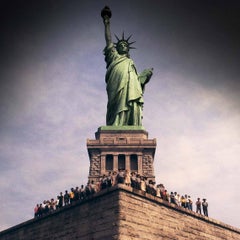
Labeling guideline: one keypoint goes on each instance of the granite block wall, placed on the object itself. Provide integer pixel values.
(122, 213)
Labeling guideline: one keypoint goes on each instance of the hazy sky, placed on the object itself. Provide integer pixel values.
(53, 96)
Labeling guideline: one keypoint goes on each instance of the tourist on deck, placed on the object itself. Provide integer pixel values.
(40, 210)
(142, 184)
(166, 196)
(109, 179)
(162, 190)
(82, 192)
(172, 198)
(183, 202)
(190, 202)
(134, 180)
(205, 207)
(120, 176)
(127, 178)
(45, 208)
(103, 181)
(98, 185)
(158, 194)
(114, 178)
(76, 194)
(150, 188)
(60, 200)
(177, 198)
(87, 190)
(93, 187)
(36, 214)
(52, 205)
(198, 206)
(56, 204)
(138, 181)
(66, 198)
(71, 196)
(186, 201)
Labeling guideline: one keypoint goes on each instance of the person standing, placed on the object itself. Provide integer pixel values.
(60, 200)
(66, 198)
(120, 176)
(172, 198)
(162, 190)
(205, 207)
(71, 196)
(158, 191)
(36, 210)
(166, 196)
(127, 178)
(190, 203)
(82, 192)
(198, 206)
(114, 178)
(143, 184)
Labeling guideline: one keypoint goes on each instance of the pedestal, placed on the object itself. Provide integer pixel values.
(125, 147)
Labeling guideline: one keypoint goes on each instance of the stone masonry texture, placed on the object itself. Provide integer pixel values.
(122, 213)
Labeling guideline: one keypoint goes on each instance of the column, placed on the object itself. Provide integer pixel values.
(115, 162)
(127, 163)
(140, 164)
(103, 164)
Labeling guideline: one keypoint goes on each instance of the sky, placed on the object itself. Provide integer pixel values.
(53, 96)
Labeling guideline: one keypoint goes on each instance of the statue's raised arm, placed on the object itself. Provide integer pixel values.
(124, 85)
(106, 15)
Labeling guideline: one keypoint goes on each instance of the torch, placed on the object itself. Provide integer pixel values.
(106, 13)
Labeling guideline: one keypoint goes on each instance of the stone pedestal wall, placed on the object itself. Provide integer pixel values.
(95, 218)
(122, 213)
(143, 216)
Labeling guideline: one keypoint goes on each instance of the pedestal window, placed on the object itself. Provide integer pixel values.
(109, 162)
(121, 161)
(134, 162)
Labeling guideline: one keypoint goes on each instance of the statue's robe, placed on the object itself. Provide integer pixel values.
(125, 94)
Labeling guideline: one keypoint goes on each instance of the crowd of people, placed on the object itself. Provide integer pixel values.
(132, 179)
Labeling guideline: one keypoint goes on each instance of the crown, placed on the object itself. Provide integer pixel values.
(124, 40)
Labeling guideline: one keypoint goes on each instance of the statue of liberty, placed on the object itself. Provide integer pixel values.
(124, 85)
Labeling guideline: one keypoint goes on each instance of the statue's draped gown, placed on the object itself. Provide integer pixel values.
(125, 94)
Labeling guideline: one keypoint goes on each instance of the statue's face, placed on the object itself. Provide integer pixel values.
(122, 47)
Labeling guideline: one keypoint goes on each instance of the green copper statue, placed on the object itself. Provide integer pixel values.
(125, 86)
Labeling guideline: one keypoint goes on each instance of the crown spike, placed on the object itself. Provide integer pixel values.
(131, 43)
(117, 37)
(129, 38)
(123, 36)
